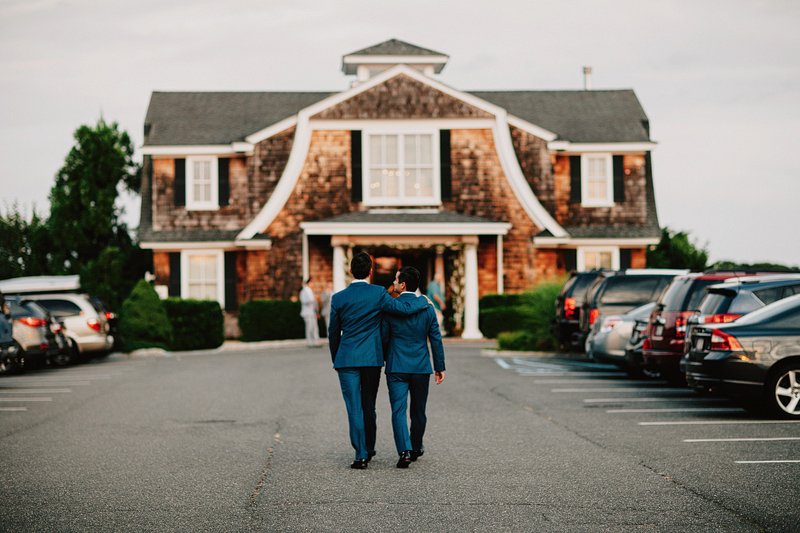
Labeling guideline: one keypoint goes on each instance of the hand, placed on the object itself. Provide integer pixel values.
(439, 377)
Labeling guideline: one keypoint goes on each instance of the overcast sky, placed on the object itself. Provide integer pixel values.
(720, 82)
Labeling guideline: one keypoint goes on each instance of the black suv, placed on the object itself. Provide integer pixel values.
(569, 302)
(9, 353)
(616, 293)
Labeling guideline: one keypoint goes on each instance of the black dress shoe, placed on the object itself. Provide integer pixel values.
(405, 460)
(416, 454)
(371, 455)
(360, 464)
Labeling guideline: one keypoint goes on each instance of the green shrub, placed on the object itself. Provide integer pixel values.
(262, 320)
(518, 341)
(491, 301)
(196, 324)
(542, 312)
(143, 322)
(495, 320)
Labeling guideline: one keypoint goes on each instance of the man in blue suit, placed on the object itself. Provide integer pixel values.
(357, 350)
(408, 366)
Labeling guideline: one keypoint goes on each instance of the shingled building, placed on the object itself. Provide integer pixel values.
(245, 193)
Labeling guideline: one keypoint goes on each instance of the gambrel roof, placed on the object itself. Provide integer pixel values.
(208, 118)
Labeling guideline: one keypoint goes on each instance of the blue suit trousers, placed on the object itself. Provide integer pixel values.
(359, 390)
(401, 387)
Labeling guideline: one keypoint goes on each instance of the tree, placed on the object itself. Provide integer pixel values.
(84, 218)
(675, 250)
(143, 322)
(23, 244)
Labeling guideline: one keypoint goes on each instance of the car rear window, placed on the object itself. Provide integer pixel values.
(97, 304)
(744, 303)
(632, 289)
(697, 292)
(672, 299)
(579, 287)
(715, 303)
(61, 308)
(34, 309)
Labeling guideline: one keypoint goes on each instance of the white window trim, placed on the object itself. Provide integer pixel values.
(191, 203)
(586, 202)
(401, 129)
(614, 250)
(220, 256)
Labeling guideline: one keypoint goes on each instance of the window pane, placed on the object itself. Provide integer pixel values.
(375, 153)
(426, 149)
(391, 150)
(410, 142)
(420, 183)
(597, 260)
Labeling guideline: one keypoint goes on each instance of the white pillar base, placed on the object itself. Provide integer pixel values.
(338, 267)
(471, 330)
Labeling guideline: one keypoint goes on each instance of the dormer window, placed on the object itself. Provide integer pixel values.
(202, 192)
(401, 168)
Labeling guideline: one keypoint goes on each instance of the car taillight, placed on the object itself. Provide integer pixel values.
(593, 314)
(94, 324)
(570, 308)
(109, 315)
(680, 324)
(609, 323)
(724, 342)
(33, 322)
(44, 346)
(722, 318)
(56, 328)
(647, 344)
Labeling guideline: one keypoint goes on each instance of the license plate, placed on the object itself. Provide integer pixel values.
(659, 331)
(698, 344)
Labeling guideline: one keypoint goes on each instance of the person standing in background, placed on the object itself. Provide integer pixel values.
(325, 305)
(309, 310)
(435, 292)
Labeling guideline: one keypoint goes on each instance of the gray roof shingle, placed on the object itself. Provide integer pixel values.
(197, 118)
(395, 47)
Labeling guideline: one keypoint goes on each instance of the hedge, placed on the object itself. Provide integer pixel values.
(531, 312)
(262, 320)
(143, 322)
(519, 341)
(490, 301)
(196, 324)
(495, 320)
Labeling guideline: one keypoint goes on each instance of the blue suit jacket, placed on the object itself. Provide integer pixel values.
(406, 339)
(354, 331)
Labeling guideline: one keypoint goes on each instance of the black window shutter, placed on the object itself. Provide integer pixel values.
(175, 274)
(570, 260)
(575, 179)
(624, 258)
(619, 179)
(180, 182)
(231, 300)
(223, 166)
(355, 164)
(445, 170)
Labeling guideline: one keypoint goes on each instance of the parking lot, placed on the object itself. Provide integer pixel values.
(257, 441)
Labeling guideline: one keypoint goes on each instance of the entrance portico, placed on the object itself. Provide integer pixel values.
(446, 242)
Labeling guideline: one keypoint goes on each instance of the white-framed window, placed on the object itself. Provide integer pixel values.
(203, 275)
(597, 180)
(595, 257)
(202, 185)
(401, 167)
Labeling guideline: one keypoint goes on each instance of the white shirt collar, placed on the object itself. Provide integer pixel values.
(409, 292)
(358, 281)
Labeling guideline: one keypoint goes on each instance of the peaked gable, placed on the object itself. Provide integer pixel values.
(401, 97)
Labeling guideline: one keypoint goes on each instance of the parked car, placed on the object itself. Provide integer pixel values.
(9, 352)
(727, 302)
(610, 336)
(616, 293)
(634, 361)
(757, 355)
(569, 302)
(662, 350)
(87, 327)
(32, 332)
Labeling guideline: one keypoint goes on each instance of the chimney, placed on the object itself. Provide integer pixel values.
(587, 78)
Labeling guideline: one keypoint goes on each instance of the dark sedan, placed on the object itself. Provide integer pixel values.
(757, 355)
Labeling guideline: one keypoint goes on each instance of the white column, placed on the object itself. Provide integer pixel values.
(471, 330)
(305, 257)
(499, 264)
(338, 268)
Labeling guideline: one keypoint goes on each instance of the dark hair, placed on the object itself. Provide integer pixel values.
(360, 265)
(410, 276)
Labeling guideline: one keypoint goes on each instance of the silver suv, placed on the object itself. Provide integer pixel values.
(86, 325)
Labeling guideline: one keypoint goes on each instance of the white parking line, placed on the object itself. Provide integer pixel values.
(28, 399)
(763, 462)
(742, 439)
(687, 399)
(33, 391)
(599, 381)
(716, 422)
(527, 372)
(679, 410)
(12, 409)
(67, 375)
(3, 384)
(625, 389)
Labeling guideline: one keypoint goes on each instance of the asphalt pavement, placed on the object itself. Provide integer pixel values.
(257, 441)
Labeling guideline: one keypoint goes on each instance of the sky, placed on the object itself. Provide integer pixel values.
(719, 81)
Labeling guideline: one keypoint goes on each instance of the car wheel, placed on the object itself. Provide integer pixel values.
(783, 391)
